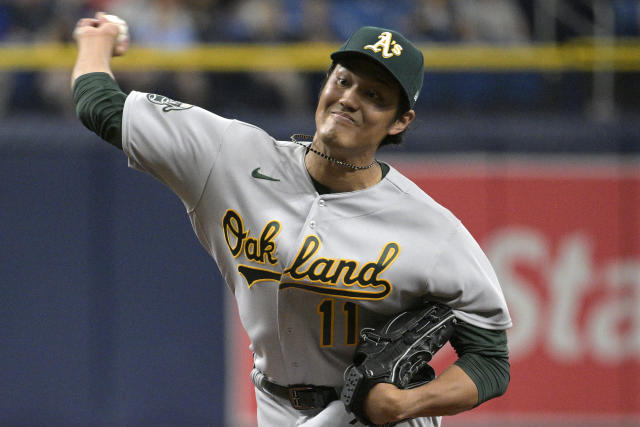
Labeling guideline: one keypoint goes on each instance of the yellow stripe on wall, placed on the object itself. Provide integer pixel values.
(623, 56)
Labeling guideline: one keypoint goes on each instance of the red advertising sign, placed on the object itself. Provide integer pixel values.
(564, 239)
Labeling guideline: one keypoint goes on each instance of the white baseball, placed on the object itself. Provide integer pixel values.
(122, 25)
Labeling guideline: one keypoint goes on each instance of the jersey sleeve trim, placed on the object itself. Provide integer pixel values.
(495, 326)
(126, 125)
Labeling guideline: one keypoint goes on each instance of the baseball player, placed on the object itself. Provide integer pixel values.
(314, 237)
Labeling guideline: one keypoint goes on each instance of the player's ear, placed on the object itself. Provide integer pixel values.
(401, 123)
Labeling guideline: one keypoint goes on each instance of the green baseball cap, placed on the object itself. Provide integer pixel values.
(391, 50)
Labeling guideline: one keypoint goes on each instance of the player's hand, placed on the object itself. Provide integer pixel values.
(384, 404)
(98, 33)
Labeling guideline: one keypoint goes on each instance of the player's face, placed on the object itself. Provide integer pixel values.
(357, 109)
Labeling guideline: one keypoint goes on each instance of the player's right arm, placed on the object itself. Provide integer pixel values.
(97, 43)
(175, 143)
(99, 100)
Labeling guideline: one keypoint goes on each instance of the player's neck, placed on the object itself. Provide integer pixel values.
(341, 178)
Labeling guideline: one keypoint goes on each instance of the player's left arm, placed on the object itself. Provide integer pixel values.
(480, 373)
(482, 370)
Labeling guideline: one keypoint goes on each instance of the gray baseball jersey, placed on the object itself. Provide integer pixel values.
(308, 271)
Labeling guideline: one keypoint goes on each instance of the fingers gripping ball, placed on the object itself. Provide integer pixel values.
(123, 35)
(397, 352)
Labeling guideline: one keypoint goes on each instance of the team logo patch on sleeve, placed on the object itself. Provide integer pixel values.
(168, 103)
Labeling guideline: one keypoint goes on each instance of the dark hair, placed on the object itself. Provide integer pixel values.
(401, 108)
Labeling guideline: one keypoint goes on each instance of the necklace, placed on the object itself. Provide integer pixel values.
(324, 156)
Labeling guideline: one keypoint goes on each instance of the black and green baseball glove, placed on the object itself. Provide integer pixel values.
(397, 352)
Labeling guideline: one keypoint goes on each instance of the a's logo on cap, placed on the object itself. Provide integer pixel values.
(386, 45)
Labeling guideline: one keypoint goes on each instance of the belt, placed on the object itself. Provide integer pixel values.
(301, 396)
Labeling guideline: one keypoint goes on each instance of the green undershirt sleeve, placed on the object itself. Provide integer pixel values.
(99, 105)
(484, 356)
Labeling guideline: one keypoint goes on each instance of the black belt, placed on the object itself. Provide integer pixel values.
(301, 396)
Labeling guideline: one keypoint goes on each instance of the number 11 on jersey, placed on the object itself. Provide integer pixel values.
(326, 310)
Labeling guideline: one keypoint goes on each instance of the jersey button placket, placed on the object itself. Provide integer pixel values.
(312, 223)
(292, 343)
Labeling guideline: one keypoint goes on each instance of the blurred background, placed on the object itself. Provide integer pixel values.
(528, 129)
